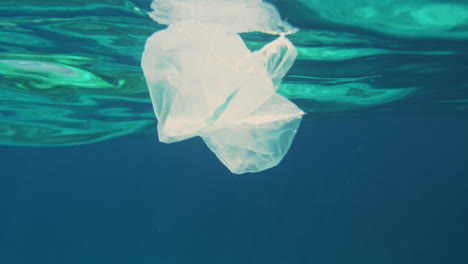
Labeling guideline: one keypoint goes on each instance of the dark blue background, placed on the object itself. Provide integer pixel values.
(365, 189)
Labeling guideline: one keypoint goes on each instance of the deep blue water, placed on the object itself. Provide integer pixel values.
(365, 189)
(377, 174)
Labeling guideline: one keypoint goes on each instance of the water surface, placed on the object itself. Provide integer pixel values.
(70, 70)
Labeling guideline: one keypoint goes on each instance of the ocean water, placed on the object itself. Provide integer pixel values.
(378, 172)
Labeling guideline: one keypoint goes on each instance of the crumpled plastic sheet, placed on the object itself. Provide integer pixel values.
(205, 82)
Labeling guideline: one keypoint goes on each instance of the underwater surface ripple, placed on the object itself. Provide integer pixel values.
(70, 70)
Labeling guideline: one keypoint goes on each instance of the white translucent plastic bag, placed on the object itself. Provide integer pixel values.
(205, 82)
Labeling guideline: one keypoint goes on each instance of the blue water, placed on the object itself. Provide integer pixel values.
(392, 189)
(378, 171)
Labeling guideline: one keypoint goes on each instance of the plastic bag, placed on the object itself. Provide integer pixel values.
(204, 81)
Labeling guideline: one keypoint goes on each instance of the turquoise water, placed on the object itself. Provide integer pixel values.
(70, 70)
(377, 172)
